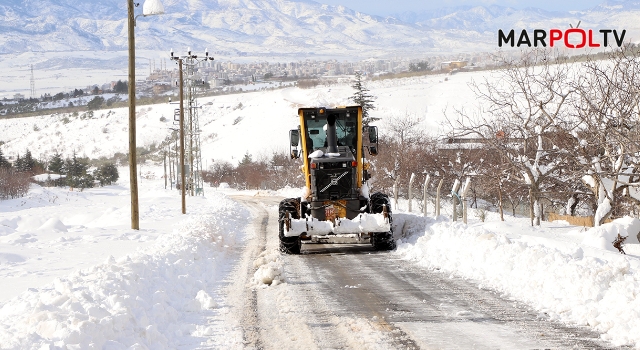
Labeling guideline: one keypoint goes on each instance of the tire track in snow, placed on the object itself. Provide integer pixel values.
(331, 327)
(241, 296)
(347, 291)
(266, 317)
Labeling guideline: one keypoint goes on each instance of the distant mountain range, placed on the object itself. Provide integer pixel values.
(280, 27)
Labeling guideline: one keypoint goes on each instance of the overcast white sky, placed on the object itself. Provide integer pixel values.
(385, 7)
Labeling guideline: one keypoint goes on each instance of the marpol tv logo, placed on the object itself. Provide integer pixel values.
(572, 38)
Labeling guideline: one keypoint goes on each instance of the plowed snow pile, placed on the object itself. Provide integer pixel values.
(270, 269)
(144, 300)
(586, 282)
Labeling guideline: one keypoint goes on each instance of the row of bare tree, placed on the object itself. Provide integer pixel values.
(544, 130)
(278, 171)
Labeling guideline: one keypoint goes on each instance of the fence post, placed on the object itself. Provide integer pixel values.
(500, 199)
(438, 198)
(424, 195)
(170, 166)
(464, 199)
(531, 206)
(454, 197)
(395, 194)
(413, 176)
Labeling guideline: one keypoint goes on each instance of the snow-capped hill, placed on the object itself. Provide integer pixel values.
(277, 28)
(477, 18)
(494, 17)
(618, 5)
(257, 26)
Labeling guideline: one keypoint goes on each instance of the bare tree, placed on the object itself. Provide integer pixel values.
(283, 171)
(274, 172)
(608, 137)
(403, 151)
(525, 115)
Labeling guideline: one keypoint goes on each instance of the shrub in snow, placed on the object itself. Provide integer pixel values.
(13, 184)
(480, 214)
(106, 174)
(619, 242)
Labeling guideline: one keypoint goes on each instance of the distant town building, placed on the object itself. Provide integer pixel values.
(451, 65)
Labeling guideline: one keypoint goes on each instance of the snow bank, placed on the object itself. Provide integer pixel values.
(53, 224)
(603, 236)
(138, 301)
(598, 292)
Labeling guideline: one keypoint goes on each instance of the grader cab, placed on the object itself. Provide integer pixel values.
(332, 145)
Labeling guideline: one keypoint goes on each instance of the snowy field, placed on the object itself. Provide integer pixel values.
(80, 277)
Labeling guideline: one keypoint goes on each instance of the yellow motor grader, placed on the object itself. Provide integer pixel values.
(332, 144)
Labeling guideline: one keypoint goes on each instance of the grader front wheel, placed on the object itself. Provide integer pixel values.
(288, 209)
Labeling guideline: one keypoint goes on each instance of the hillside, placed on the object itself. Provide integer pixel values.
(232, 125)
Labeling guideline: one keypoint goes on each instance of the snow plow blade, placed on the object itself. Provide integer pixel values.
(363, 223)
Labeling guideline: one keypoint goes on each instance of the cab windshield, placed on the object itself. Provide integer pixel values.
(317, 135)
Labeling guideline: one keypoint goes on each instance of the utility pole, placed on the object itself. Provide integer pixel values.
(133, 176)
(149, 8)
(182, 182)
(191, 127)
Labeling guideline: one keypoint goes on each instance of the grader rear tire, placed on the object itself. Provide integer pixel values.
(381, 240)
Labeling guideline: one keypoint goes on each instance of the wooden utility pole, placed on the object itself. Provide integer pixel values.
(182, 177)
(164, 162)
(133, 176)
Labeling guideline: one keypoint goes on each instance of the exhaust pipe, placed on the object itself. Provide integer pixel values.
(332, 138)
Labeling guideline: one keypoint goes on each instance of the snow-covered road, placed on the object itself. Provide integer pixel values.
(349, 296)
(291, 312)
